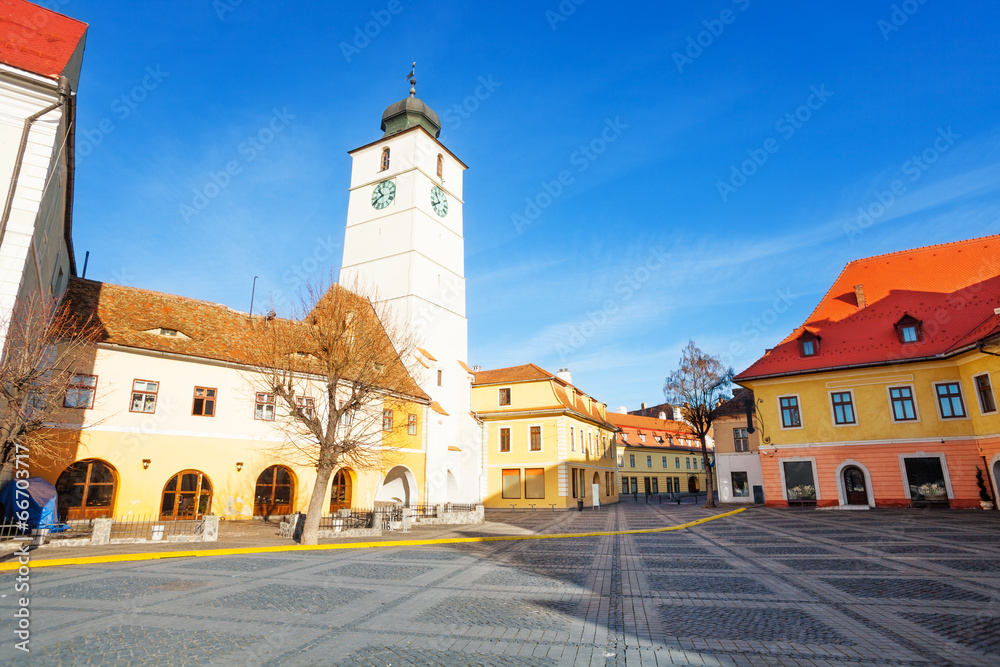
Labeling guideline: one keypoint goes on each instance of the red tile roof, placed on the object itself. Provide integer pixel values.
(126, 316)
(951, 288)
(36, 39)
(668, 430)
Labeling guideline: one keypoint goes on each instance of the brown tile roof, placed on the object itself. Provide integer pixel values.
(124, 315)
(736, 406)
(648, 423)
(427, 354)
(466, 367)
(523, 373)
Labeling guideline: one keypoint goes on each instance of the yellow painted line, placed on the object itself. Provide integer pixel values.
(124, 558)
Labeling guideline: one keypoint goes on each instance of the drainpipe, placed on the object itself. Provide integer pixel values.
(28, 122)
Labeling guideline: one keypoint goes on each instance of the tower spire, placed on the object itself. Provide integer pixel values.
(412, 78)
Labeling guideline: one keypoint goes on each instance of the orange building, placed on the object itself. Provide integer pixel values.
(884, 397)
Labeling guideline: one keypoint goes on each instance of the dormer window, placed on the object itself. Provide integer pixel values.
(163, 331)
(909, 330)
(385, 159)
(808, 344)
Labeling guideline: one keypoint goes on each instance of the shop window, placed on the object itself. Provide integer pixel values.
(741, 486)
(925, 478)
(534, 483)
(800, 484)
(511, 484)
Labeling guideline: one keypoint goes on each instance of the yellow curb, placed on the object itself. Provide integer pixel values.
(121, 558)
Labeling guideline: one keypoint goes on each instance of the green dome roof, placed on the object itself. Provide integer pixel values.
(407, 113)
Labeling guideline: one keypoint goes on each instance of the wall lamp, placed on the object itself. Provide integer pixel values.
(239, 466)
(145, 464)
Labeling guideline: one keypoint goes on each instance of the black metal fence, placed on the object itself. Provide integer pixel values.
(373, 517)
(151, 527)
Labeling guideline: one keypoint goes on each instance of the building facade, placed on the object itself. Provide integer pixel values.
(547, 443)
(404, 241)
(166, 420)
(658, 456)
(885, 397)
(40, 58)
(737, 451)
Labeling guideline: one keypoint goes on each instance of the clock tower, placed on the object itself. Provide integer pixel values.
(404, 239)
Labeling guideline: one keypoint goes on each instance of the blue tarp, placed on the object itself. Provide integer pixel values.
(41, 500)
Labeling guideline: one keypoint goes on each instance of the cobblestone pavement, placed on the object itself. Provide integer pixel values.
(763, 587)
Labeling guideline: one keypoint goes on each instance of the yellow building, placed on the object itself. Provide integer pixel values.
(166, 421)
(547, 444)
(884, 396)
(658, 456)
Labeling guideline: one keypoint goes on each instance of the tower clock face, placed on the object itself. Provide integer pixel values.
(439, 201)
(383, 195)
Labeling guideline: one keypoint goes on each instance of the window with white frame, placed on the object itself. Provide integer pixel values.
(949, 397)
(843, 408)
(790, 416)
(264, 407)
(144, 395)
(741, 439)
(984, 391)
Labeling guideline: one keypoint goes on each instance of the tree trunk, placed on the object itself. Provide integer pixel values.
(709, 476)
(317, 502)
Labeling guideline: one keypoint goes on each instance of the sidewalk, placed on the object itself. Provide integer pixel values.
(250, 534)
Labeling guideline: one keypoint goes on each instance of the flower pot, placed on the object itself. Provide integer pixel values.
(986, 504)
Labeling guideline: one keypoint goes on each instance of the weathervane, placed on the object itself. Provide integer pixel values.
(412, 78)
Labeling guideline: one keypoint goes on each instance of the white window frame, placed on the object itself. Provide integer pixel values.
(794, 459)
(781, 421)
(541, 439)
(833, 412)
(961, 395)
(926, 455)
(916, 405)
(979, 401)
(499, 430)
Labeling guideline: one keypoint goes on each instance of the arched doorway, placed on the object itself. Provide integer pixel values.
(855, 490)
(453, 489)
(188, 495)
(399, 486)
(692, 484)
(340, 494)
(87, 490)
(275, 492)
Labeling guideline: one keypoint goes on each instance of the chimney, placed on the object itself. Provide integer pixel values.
(565, 375)
(643, 406)
(859, 294)
(677, 414)
(623, 410)
(662, 415)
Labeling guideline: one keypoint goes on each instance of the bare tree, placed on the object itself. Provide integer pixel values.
(330, 373)
(42, 371)
(697, 386)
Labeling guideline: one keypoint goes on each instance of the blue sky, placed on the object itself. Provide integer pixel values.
(715, 157)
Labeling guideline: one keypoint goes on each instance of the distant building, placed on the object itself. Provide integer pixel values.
(40, 57)
(658, 456)
(661, 411)
(885, 396)
(739, 473)
(546, 442)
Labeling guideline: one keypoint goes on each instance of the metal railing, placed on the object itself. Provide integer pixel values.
(371, 517)
(151, 527)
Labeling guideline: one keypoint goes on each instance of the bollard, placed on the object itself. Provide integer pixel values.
(553, 506)
(513, 507)
(532, 506)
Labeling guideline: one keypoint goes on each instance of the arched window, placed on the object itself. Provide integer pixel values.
(385, 159)
(188, 495)
(340, 494)
(87, 490)
(440, 166)
(275, 492)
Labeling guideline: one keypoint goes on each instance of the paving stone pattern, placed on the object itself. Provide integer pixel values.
(764, 587)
